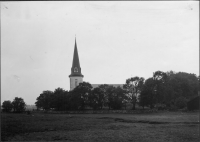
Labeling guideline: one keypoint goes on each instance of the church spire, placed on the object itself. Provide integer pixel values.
(75, 62)
(76, 69)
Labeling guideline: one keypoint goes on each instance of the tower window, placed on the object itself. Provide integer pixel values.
(75, 69)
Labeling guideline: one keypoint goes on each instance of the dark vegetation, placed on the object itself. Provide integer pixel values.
(17, 105)
(168, 90)
(168, 126)
(164, 90)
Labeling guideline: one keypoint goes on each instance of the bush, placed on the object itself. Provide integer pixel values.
(181, 102)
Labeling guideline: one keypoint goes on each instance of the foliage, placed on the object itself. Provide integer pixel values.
(118, 97)
(184, 84)
(18, 105)
(107, 92)
(7, 106)
(107, 95)
(80, 96)
(96, 98)
(181, 102)
(44, 101)
(147, 96)
(160, 79)
(133, 86)
(59, 99)
(168, 87)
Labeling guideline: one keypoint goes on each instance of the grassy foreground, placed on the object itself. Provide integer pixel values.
(154, 127)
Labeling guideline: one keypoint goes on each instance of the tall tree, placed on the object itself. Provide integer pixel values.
(182, 85)
(160, 79)
(81, 94)
(170, 88)
(133, 87)
(44, 101)
(66, 103)
(18, 105)
(110, 90)
(58, 99)
(96, 98)
(104, 89)
(147, 96)
(7, 106)
(118, 96)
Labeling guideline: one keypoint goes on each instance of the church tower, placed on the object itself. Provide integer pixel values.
(75, 77)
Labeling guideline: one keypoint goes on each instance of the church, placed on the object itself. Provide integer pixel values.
(76, 76)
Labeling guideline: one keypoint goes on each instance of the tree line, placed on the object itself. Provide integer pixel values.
(167, 89)
(17, 105)
(163, 89)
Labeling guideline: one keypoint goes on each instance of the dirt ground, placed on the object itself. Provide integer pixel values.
(154, 127)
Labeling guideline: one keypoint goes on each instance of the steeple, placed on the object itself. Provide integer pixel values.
(76, 69)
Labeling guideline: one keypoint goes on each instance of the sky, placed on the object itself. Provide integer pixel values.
(116, 40)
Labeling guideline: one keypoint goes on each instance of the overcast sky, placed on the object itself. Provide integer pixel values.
(116, 40)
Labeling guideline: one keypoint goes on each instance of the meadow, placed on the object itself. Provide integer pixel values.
(155, 127)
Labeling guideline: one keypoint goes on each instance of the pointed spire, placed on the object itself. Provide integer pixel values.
(75, 62)
(76, 69)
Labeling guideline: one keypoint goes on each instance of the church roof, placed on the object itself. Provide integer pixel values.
(75, 63)
(114, 85)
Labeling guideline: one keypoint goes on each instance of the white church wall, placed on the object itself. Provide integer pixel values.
(74, 81)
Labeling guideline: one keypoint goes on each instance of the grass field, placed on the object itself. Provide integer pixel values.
(154, 127)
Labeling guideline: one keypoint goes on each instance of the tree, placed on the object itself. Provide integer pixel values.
(44, 101)
(58, 99)
(18, 105)
(104, 88)
(96, 98)
(74, 100)
(110, 90)
(160, 79)
(147, 96)
(7, 106)
(188, 83)
(133, 87)
(169, 88)
(80, 96)
(181, 85)
(118, 96)
(66, 103)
